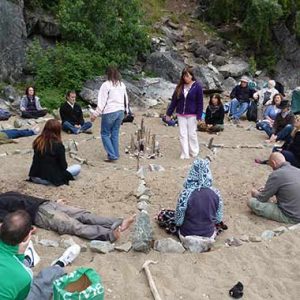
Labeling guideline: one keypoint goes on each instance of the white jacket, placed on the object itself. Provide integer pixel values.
(111, 98)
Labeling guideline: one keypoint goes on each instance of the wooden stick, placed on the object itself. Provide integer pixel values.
(151, 282)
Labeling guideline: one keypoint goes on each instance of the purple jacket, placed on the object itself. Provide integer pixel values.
(191, 105)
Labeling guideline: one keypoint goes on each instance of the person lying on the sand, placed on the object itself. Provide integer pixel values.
(283, 183)
(64, 219)
(199, 210)
(7, 136)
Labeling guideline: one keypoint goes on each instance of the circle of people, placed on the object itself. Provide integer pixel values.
(199, 210)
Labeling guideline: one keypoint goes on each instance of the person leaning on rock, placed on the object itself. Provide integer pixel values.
(283, 183)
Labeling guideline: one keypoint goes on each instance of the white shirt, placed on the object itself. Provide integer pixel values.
(111, 98)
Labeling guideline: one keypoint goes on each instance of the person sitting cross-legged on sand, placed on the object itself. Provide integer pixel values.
(214, 116)
(64, 219)
(283, 183)
(17, 281)
(72, 116)
(8, 135)
(30, 105)
(283, 124)
(49, 165)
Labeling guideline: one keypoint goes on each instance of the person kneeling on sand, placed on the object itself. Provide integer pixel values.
(64, 219)
(283, 183)
(17, 281)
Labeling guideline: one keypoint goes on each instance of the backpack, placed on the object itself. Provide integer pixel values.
(252, 112)
(4, 114)
(280, 88)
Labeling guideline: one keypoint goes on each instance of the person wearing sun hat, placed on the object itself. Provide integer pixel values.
(283, 123)
(240, 96)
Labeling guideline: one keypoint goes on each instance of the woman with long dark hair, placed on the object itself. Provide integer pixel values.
(30, 105)
(49, 165)
(112, 102)
(188, 102)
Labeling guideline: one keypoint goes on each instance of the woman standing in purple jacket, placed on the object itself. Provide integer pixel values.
(188, 101)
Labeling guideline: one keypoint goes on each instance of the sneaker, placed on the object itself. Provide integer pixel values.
(68, 256)
(31, 256)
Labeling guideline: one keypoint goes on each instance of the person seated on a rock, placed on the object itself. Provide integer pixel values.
(283, 183)
(269, 115)
(265, 98)
(72, 116)
(240, 96)
(283, 124)
(214, 115)
(8, 135)
(64, 219)
(49, 165)
(200, 206)
(17, 281)
(30, 105)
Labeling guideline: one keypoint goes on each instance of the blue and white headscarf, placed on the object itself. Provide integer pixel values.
(199, 177)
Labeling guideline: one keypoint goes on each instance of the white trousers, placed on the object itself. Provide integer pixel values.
(188, 136)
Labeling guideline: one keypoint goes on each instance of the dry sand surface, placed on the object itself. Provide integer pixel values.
(268, 269)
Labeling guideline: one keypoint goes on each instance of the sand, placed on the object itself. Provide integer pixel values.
(268, 269)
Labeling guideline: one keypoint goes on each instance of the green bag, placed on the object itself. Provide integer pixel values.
(82, 284)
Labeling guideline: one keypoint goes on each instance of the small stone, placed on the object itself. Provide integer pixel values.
(255, 239)
(18, 123)
(168, 245)
(124, 247)
(156, 168)
(145, 198)
(143, 205)
(3, 154)
(267, 235)
(49, 243)
(280, 230)
(244, 238)
(233, 242)
(17, 151)
(295, 227)
(197, 244)
(31, 122)
(142, 190)
(101, 246)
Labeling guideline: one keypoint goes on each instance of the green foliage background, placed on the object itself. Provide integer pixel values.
(95, 34)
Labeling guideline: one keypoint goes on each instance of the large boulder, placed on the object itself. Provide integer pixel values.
(12, 39)
(235, 67)
(140, 92)
(167, 65)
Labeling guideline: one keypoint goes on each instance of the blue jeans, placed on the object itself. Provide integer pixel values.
(285, 133)
(17, 133)
(265, 126)
(74, 170)
(110, 126)
(237, 108)
(291, 158)
(67, 127)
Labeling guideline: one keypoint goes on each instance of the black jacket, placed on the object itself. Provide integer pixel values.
(51, 165)
(280, 122)
(73, 115)
(294, 147)
(216, 117)
(243, 94)
(12, 201)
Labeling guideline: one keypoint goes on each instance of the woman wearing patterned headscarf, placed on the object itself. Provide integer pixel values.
(200, 206)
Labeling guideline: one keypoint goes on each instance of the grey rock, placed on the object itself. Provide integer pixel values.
(151, 114)
(168, 245)
(141, 173)
(196, 244)
(142, 190)
(173, 36)
(48, 243)
(124, 247)
(217, 60)
(216, 46)
(145, 198)
(19, 123)
(244, 238)
(295, 227)
(255, 239)
(280, 230)
(235, 67)
(101, 246)
(156, 168)
(233, 242)
(167, 65)
(12, 39)
(228, 84)
(142, 205)
(142, 234)
(267, 235)
(11, 94)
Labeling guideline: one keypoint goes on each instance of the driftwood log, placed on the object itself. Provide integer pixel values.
(151, 282)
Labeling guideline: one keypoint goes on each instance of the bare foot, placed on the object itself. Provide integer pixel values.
(117, 232)
(127, 222)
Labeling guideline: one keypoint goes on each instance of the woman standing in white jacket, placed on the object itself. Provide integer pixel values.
(112, 101)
